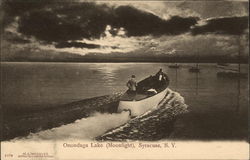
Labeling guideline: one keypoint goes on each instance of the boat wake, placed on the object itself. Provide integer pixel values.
(152, 125)
(85, 128)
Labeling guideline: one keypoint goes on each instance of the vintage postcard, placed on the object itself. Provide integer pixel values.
(128, 80)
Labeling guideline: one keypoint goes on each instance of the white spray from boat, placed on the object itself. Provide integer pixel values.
(85, 128)
(95, 125)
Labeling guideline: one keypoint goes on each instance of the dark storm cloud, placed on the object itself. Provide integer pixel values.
(13, 8)
(66, 22)
(76, 45)
(18, 7)
(226, 25)
(74, 21)
(140, 23)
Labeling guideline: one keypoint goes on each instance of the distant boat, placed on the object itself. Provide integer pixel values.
(228, 68)
(230, 71)
(149, 94)
(195, 69)
(231, 75)
(222, 64)
(174, 51)
(174, 66)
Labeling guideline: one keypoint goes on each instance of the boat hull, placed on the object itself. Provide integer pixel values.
(139, 107)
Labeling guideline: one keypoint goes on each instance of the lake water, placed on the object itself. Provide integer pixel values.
(44, 85)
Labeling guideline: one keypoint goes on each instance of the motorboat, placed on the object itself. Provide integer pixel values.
(149, 93)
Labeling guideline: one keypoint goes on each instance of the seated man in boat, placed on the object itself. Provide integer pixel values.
(132, 84)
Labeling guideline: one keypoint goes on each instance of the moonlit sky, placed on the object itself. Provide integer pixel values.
(124, 27)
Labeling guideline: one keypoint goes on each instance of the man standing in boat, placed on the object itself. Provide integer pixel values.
(132, 84)
(162, 77)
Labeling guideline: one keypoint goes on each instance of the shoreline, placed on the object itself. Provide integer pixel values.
(170, 62)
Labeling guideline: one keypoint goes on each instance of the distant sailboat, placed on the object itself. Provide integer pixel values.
(222, 64)
(175, 65)
(232, 71)
(196, 68)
